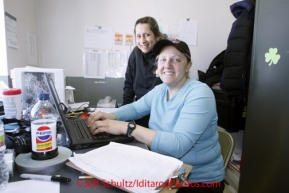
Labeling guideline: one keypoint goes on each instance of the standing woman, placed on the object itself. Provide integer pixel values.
(141, 75)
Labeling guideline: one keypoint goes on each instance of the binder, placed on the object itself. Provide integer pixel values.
(132, 169)
(166, 189)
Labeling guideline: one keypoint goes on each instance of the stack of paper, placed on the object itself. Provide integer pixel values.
(77, 106)
(128, 167)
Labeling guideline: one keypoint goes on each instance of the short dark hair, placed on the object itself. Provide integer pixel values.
(154, 27)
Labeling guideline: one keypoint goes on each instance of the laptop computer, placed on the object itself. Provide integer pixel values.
(74, 133)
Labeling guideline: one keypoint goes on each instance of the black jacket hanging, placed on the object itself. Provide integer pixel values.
(237, 60)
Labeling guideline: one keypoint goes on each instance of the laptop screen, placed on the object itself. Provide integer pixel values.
(62, 137)
(74, 133)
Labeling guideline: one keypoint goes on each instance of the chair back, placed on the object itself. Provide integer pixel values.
(227, 146)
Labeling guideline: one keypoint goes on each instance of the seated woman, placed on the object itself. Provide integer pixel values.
(183, 121)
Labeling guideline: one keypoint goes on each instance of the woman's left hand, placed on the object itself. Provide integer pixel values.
(108, 126)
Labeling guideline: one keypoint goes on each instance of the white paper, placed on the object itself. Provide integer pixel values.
(188, 31)
(11, 30)
(128, 39)
(94, 65)
(98, 37)
(133, 164)
(33, 186)
(172, 31)
(69, 88)
(117, 63)
(77, 106)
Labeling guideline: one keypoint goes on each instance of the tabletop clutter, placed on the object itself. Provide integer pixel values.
(31, 145)
(37, 156)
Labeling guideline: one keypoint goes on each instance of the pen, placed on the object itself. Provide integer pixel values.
(85, 177)
(56, 178)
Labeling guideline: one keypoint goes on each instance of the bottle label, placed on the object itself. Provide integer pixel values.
(43, 135)
(13, 106)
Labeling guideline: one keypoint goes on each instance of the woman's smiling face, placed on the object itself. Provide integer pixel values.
(173, 66)
(145, 38)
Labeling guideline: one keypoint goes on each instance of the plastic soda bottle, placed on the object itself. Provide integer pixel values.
(43, 129)
(4, 172)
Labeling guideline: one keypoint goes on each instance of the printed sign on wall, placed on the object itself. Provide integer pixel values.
(128, 39)
(118, 39)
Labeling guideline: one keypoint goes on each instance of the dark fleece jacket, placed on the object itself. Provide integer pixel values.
(140, 75)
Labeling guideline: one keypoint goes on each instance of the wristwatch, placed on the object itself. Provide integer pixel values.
(130, 127)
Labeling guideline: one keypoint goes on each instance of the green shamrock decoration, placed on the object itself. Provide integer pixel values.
(272, 56)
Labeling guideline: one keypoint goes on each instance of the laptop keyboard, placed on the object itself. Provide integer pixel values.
(84, 133)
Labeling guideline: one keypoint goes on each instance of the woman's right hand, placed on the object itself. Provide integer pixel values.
(98, 116)
(104, 122)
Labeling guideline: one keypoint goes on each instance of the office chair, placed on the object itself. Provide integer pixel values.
(227, 146)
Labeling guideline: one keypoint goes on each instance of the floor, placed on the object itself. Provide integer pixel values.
(229, 189)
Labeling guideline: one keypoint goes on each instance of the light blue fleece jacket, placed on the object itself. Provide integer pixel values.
(185, 127)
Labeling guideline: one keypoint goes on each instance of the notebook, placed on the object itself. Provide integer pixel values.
(74, 133)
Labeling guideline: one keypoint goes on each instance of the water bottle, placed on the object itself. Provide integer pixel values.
(43, 129)
(4, 172)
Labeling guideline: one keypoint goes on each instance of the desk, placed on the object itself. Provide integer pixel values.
(76, 185)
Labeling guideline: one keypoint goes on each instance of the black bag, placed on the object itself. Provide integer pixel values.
(20, 139)
(214, 73)
(231, 111)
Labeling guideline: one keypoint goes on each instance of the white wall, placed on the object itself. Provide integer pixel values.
(25, 12)
(3, 52)
(61, 25)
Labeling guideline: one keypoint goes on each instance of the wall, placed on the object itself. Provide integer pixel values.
(25, 13)
(62, 22)
(61, 25)
(3, 52)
